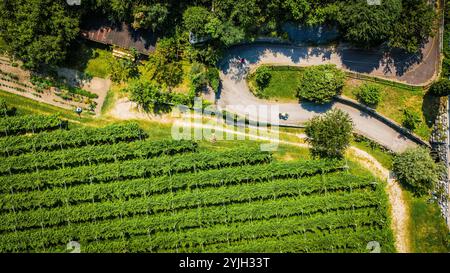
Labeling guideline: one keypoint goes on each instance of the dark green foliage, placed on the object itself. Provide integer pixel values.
(329, 134)
(410, 119)
(367, 25)
(321, 83)
(195, 20)
(152, 16)
(37, 31)
(6, 111)
(369, 94)
(151, 97)
(414, 26)
(263, 76)
(40, 31)
(213, 78)
(164, 65)
(417, 171)
(440, 88)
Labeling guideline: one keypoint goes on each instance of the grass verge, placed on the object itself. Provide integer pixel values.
(429, 233)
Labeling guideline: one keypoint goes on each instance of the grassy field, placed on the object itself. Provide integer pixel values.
(395, 99)
(283, 84)
(381, 156)
(429, 232)
(285, 80)
(90, 59)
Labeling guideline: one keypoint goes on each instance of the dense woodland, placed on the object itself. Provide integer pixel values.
(41, 31)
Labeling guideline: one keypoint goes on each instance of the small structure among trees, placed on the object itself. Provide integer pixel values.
(120, 35)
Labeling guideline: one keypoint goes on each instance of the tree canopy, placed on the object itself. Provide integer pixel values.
(329, 134)
(38, 31)
(440, 88)
(403, 24)
(321, 83)
(416, 170)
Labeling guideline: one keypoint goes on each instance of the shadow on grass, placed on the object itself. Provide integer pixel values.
(430, 108)
(80, 52)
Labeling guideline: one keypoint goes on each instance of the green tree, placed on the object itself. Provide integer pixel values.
(417, 171)
(121, 70)
(263, 76)
(198, 77)
(414, 26)
(152, 16)
(213, 78)
(329, 135)
(37, 31)
(410, 119)
(440, 88)
(3, 108)
(367, 25)
(195, 20)
(152, 97)
(297, 8)
(321, 83)
(369, 94)
(163, 65)
(146, 94)
(226, 32)
(208, 55)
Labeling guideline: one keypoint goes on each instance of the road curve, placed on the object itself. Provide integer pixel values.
(235, 94)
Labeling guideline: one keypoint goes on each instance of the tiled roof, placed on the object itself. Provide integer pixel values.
(122, 35)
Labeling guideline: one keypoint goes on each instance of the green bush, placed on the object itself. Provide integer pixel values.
(213, 78)
(329, 134)
(440, 88)
(410, 119)
(321, 83)
(263, 76)
(416, 170)
(369, 94)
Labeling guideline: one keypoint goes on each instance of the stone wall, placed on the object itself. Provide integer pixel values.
(439, 145)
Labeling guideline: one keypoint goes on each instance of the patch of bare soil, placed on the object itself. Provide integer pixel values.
(95, 85)
(125, 109)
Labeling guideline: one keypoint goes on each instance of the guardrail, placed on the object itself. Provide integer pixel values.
(394, 125)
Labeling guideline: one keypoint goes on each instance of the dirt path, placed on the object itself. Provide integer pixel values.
(399, 208)
(124, 109)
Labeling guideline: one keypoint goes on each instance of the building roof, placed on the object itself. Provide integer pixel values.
(121, 35)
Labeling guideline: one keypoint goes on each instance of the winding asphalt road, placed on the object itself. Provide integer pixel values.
(235, 95)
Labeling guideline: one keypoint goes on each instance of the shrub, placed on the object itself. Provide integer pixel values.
(263, 76)
(6, 111)
(321, 83)
(416, 170)
(410, 119)
(213, 78)
(369, 94)
(329, 134)
(440, 88)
